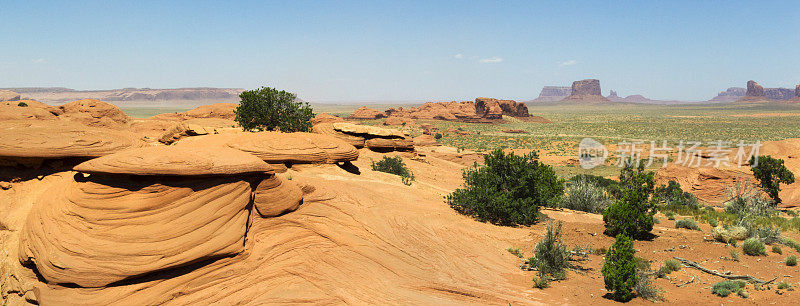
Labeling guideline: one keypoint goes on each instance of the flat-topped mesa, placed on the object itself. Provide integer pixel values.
(553, 93)
(587, 90)
(142, 211)
(366, 113)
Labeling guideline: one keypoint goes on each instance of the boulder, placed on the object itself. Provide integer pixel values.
(325, 118)
(109, 227)
(95, 113)
(366, 113)
(280, 148)
(586, 90)
(7, 95)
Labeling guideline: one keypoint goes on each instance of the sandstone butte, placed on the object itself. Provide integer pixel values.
(487, 110)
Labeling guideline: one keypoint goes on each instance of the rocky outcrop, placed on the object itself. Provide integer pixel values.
(757, 93)
(202, 94)
(797, 91)
(325, 118)
(197, 127)
(366, 113)
(489, 108)
(453, 111)
(28, 110)
(586, 90)
(7, 95)
(778, 93)
(754, 89)
(365, 136)
(425, 140)
(613, 95)
(216, 110)
(95, 113)
(553, 93)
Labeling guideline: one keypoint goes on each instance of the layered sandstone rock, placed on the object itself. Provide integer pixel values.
(362, 136)
(186, 205)
(95, 113)
(425, 140)
(490, 108)
(29, 142)
(754, 89)
(7, 95)
(217, 110)
(196, 127)
(27, 110)
(757, 93)
(586, 90)
(280, 148)
(366, 113)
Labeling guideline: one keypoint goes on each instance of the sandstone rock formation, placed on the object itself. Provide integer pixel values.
(730, 95)
(30, 142)
(490, 108)
(362, 136)
(95, 113)
(754, 89)
(425, 140)
(586, 90)
(217, 110)
(485, 110)
(7, 95)
(196, 127)
(399, 121)
(27, 110)
(366, 113)
(797, 91)
(706, 183)
(280, 148)
(325, 118)
(553, 93)
(757, 93)
(186, 205)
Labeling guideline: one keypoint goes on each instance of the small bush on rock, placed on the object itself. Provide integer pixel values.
(508, 189)
(619, 269)
(396, 166)
(22, 104)
(753, 247)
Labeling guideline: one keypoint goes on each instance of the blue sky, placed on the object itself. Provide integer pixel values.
(403, 50)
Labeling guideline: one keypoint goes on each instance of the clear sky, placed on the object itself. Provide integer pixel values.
(403, 50)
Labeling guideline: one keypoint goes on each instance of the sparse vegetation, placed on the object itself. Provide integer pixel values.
(551, 257)
(645, 287)
(687, 223)
(437, 136)
(670, 215)
(396, 166)
(508, 189)
(725, 288)
(670, 265)
(632, 214)
(268, 109)
(784, 285)
(753, 247)
(619, 269)
(770, 173)
(777, 249)
(515, 252)
(790, 260)
(734, 255)
(22, 104)
(713, 222)
(585, 195)
(672, 194)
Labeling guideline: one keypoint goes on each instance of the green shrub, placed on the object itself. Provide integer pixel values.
(784, 285)
(396, 166)
(767, 235)
(508, 189)
(776, 249)
(670, 215)
(632, 213)
(585, 195)
(791, 260)
(619, 269)
(753, 247)
(541, 282)
(22, 104)
(268, 109)
(437, 136)
(713, 222)
(792, 244)
(770, 173)
(687, 223)
(734, 255)
(672, 194)
(515, 252)
(645, 288)
(673, 265)
(611, 186)
(725, 288)
(551, 257)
